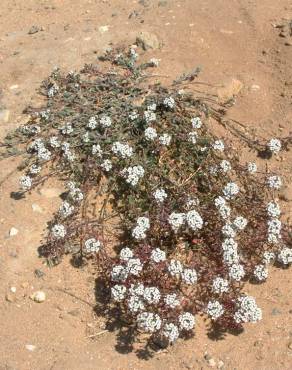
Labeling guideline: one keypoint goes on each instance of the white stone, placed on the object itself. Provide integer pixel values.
(38, 296)
(13, 231)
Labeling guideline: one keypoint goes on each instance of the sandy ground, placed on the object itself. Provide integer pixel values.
(230, 39)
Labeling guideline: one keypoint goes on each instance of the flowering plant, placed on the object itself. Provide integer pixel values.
(146, 174)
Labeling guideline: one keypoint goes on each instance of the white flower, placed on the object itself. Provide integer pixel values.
(175, 267)
(240, 223)
(105, 121)
(236, 272)
(158, 255)
(133, 174)
(230, 190)
(274, 226)
(171, 332)
(149, 116)
(126, 254)
(133, 115)
(152, 107)
(149, 322)
(122, 150)
(191, 202)
(225, 166)
(150, 133)
(96, 149)
(44, 154)
(134, 266)
(176, 220)
(138, 233)
(273, 209)
(151, 295)
(247, 311)
(171, 300)
(224, 211)
(25, 182)
(143, 222)
(274, 239)
(285, 256)
(186, 321)
(189, 276)
(92, 124)
(106, 165)
(58, 231)
(34, 169)
(274, 182)
(219, 201)
(135, 304)
(196, 122)
(169, 102)
(85, 137)
(261, 272)
(274, 145)
(213, 170)
(220, 285)
(228, 230)
(119, 273)
(54, 142)
(193, 137)
(137, 289)
(268, 257)
(92, 245)
(133, 54)
(118, 292)
(76, 194)
(67, 128)
(160, 195)
(66, 209)
(252, 167)
(165, 139)
(53, 90)
(218, 145)
(214, 310)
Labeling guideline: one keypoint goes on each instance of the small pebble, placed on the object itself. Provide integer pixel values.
(36, 208)
(30, 347)
(13, 289)
(13, 231)
(38, 296)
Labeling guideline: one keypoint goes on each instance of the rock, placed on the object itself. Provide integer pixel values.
(39, 273)
(220, 364)
(36, 208)
(286, 193)
(230, 90)
(38, 296)
(275, 312)
(211, 362)
(30, 347)
(34, 29)
(10, 297)
(50, 192)
(147, 40)
(13, 289)
(103, 29)
(13, 231)
(4, 115)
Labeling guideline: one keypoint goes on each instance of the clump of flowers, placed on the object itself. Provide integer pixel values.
(142, 166)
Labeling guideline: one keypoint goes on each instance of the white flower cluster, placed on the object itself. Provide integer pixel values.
(134, 266)
(260, 272)
(274, 182)
(118, 292)
(240, 223)
(171, 300)
(58, 231)
(274, 230)
(220, 285)
(122, 150)
(285, 256)
(214, 310)
(158, 255)
(236, 272)
(133, 115)
(54, 142)
(92, 123)
(273, 209)
(252, 167)
(35, 169)
(230, 190)
(25, 182)
(218, 145)
(96, 150)
(171, 332)
(165, 139)
(151, 295)
(169, 102)
(189, 276)
(223, 209)
(196, 122)
(70, 156)
(268, 257)
(225, 166)
(67, 128)
(186, 321)
(126, 254)
(160, 195)
(230, 254)
(247, 311)
(176, 220)
(194, 220)
(75, 193)
(274, 145)
(149, 116)
(66, 209)
(105, 121)
(106, 165)
(175, 267)
(53, 90)
(193, 137)
(154, 62)
(92, 245)
(150, 133)
(143, 225)
(133, 174)
(149, 322)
